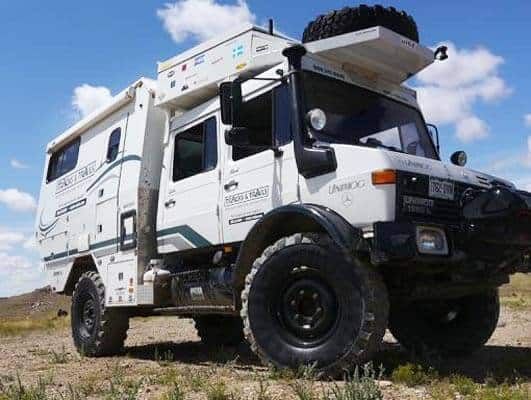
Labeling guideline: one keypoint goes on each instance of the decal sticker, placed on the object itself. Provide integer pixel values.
(185, 87)
(418, 205)
(199, 60)
(238, 51)
(241, 66)
(171, 74)
(216, 61)
(261, 49)
(172, 84)
(326, 71)
(75, 178)
(246, 218)
(414, 164)
(246, 197)
(341, 187)
(71, 207)
(184, 67)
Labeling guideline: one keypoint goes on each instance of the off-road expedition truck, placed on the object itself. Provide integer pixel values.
(287, 193)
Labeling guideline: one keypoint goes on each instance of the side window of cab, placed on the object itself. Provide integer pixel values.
(267, 119)
(196, 150)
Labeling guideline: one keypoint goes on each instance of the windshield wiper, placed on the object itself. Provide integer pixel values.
(376, 143)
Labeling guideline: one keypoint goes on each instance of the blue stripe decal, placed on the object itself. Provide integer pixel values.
(112, 166)
(188, 233)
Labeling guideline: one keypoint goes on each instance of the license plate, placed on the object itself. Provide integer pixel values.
(441, 189)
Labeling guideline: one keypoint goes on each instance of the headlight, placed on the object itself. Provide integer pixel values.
(317, 119)
(431, 241)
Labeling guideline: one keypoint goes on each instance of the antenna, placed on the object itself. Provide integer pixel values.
(271, 26)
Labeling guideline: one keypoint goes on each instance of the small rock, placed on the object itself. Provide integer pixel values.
(62, 313)
(385, 384)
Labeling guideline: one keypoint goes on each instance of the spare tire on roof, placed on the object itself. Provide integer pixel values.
(351, 19)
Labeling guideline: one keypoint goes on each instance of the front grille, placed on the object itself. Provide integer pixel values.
(414, 203)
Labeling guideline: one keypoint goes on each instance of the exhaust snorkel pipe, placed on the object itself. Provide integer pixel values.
(311, 161)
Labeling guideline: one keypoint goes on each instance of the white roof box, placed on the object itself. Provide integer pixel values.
(378, 52)
(193, 77)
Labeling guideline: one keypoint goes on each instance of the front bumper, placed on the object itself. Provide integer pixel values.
(493, 228)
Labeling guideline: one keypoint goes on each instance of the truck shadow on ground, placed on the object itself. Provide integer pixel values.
(501, 363)
(196, 353)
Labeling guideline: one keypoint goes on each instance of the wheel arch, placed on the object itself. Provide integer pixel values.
(287, 220)
(80, 266)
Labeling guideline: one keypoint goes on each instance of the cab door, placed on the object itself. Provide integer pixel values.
(263, 175)
(189, 198)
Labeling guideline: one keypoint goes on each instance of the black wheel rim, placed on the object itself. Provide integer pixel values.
(440, 315)
(87, 317)
(307, 309)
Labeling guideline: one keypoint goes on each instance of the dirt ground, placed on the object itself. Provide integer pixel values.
(160, 350)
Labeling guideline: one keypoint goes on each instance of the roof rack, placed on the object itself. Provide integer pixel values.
(378, 52)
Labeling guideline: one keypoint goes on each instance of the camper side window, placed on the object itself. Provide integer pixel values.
(114, 145)
(196, 150)
(63, 161)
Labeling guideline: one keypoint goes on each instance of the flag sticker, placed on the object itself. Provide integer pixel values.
(199, 60)
(238, 51)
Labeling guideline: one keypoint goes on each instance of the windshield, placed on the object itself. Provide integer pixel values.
(361, 117)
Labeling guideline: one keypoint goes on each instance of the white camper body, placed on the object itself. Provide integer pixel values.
(99, 193)
(153, 197)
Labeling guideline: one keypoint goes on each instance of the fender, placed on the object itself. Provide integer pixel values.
(287, 220)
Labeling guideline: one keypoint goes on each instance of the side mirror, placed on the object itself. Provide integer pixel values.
(459, 158)
(230, 97)
(434, 132)
(237, 137)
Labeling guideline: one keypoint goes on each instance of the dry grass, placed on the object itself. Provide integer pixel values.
(15, 327)
(517, 294)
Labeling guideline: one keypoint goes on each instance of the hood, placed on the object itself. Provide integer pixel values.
(426, 166)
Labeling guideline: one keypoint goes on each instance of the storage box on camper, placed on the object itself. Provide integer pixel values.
(193, 77)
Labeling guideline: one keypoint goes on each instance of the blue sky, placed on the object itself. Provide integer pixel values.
(48, 49)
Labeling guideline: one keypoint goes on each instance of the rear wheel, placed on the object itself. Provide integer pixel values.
(96, 330)
(453, 328)
(219, 330)
(305, 304)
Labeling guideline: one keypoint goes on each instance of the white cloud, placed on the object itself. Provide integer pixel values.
(449, 90)
(19, 274)
(18, 164)
(87, 98)
(8, 239)
(16, 200)
(471, 128)
(203, 19)
(527, 120)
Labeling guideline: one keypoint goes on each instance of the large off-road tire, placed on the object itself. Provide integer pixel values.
(351, 19)
(97, 331)
(304, 303)
(447, 328)
(219, 330)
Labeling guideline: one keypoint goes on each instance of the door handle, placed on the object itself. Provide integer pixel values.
(231, 185)
(170, 203)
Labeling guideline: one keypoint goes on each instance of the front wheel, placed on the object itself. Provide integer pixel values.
(448, 328)
(305, 304)
(97, 330)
